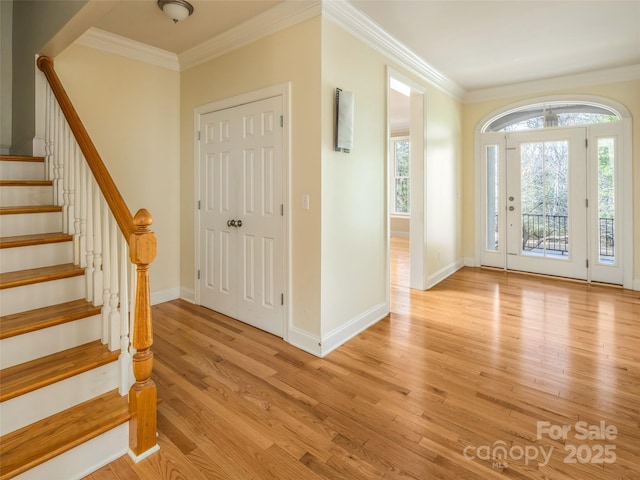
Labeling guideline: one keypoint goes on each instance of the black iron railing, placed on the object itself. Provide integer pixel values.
(550, 233)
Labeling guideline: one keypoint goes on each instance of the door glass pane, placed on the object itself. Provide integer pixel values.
(401, 176)
(544, 191)
(492, 198)
(606, 199)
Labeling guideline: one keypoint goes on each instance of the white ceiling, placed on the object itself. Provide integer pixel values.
(477, 44)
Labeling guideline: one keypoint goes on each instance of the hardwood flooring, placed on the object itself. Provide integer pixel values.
(484, 360)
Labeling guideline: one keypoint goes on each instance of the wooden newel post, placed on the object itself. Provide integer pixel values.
(142, 395)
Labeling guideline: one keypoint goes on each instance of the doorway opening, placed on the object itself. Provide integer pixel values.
(552, 194)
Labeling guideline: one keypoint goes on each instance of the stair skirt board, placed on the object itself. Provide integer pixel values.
(11, 196)
(23, 170)
(35, 256)
(40, 343)
(83, 459)
(30, 223)
(31, 407)
(38, 295)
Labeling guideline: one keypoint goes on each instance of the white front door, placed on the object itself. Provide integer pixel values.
(546, 217)
(241, 213)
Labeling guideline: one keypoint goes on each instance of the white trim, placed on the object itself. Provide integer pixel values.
(125, 47)
(282, 90)
(626, 163)
(636, 285)
(469, 262)
(284, 15)
(597, 77)
(399, 233)
(188, 294)
(305, 341)
(444, 272)
(353, 327)
(362, 27)
(165, 295)
(143, 455)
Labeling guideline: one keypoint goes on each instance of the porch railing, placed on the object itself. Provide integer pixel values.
(104, 235)
(550, 232)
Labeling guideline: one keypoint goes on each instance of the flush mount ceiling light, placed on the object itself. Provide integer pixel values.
(176, 10)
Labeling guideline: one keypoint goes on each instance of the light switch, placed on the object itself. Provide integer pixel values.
(305, 201)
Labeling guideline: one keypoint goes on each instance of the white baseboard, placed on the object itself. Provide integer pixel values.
(305, 341)
(352, 328)
(320, 347)
(470, 262)
(636, 284)
(399, 233)
(188, 294)
(165, 295)
(443, 273)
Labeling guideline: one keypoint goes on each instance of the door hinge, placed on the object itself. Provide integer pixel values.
(198, 274)
(586, 143)
(198, 204)
(282, 209)
(198, 135)
(282, 299)
(587, 263)
(586, 202)
(282, 120)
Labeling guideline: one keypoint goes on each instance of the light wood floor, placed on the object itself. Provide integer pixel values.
(429, 392)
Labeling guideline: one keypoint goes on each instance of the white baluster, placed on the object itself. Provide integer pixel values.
(71, 168)
(58, 188)
(97, 247)
(48, 134)
(106, 280)
(114, 315)
(65, 154)
(82, 188)
(77, 179)
(90, 269)
(126, 379)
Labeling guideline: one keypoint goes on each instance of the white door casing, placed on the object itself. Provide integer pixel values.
(241, 216)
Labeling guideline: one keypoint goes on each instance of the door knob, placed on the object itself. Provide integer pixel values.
(512, 208)
(231, 223)
(239, 223)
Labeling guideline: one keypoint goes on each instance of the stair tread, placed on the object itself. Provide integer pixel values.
(38, 373)
(34, 239)
(34, 444)
(20, 158)
(38, 319)
(29, 209)
(37, 275)
(25, 183)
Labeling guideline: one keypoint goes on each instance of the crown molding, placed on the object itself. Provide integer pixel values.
(283, 15)
(362, 27)
(118, 45)
(596, 77)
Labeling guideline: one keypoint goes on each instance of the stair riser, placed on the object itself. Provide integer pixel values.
(85, 459)
(22, 170)
(29, 195)
(35, 256)
(24, 348)
(27, 224)
(30, 297)
(34, 406)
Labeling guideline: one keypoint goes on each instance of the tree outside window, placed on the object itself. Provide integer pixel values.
(401, 192)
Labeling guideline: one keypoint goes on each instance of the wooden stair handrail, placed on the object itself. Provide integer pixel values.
(103, 178)
(142, 251)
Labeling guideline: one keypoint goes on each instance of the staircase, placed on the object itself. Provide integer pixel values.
(61, 413)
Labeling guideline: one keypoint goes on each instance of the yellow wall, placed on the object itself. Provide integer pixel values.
(626, 93)
(292, 55)
(354, 185)
(131, 111)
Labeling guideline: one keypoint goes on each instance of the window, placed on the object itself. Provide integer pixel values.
(552, 114)
(400, 176)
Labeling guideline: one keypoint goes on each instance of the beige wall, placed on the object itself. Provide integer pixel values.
(354, 185)
(626, 93)
(292, 55)
(131, 111)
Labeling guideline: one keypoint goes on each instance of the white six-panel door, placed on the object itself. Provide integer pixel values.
(241, 213)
